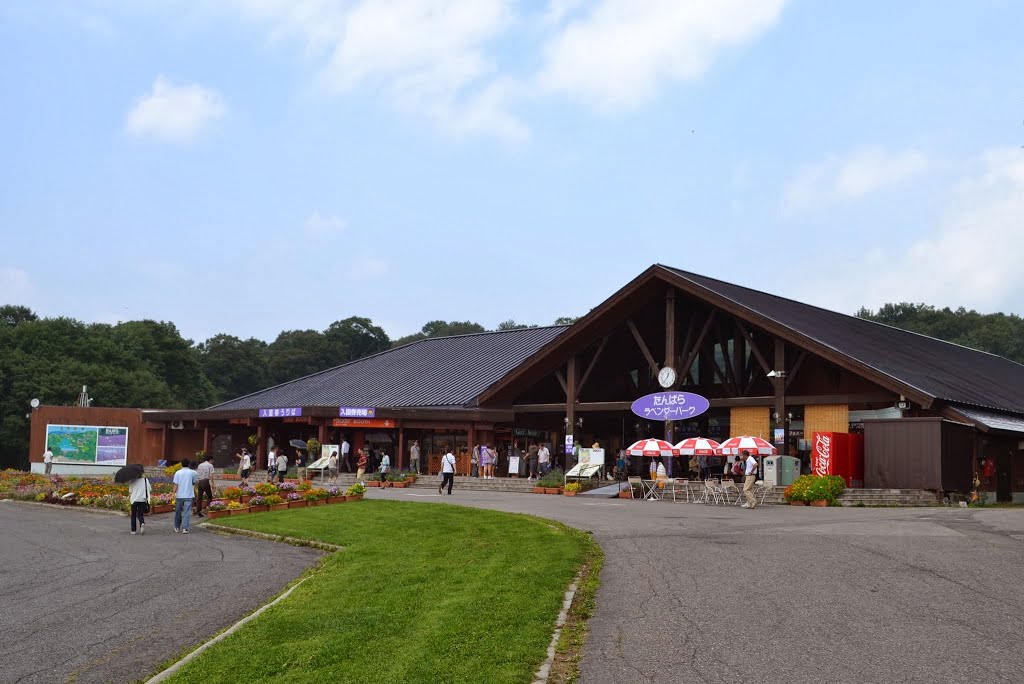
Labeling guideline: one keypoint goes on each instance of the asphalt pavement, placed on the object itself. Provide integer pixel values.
(696, 593)
(84, 601)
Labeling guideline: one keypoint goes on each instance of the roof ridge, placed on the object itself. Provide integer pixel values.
(831, 311)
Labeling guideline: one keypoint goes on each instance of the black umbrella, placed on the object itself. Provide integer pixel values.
(131, 471)
(298, 444)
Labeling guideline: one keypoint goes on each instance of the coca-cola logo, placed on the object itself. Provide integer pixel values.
(823, 453)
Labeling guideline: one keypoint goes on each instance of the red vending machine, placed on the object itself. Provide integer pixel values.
(839, 453)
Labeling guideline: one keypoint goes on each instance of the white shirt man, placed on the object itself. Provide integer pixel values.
(345, 449)
(185, 483)
(447, 472)
(544, 459)
(750, 476)
(47, 460)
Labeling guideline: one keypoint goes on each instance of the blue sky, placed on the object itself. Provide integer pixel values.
(252, 166)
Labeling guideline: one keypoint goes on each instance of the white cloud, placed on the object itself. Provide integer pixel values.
(15, 286)
(440, 58)
(619, 54)
(321, 226)
(172, 113)
(837, 179)
(366, 267)
(971, 259)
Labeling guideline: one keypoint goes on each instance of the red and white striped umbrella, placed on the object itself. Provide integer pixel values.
(652, 448)
(755, 445)
(698, 446)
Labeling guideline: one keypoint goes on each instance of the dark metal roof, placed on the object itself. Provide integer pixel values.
(942, 370)
(439, 371)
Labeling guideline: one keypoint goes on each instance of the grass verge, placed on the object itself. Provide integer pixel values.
(422, 593)
(565, 669)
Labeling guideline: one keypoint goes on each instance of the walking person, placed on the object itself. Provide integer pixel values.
(300, 465)
(282, 466)
(185, 483)
(138, 498)
(474, 462)
(346, 459)
(385, 466)
(272, 464)
(47, 461)
(750, 464)
(360, 465)
(244, 466)
(544, 459)
(414, 456)
(332, 467)
(533, 456)
(447, 471)
(204, 474)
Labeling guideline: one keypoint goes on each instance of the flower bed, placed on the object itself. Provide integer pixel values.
(812, 488)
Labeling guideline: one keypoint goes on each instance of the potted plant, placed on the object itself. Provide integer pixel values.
(410, 478)
(258, 504)
(276, 502)
(313, 449)
(552, 482)
(397, 480)
(295, 500)
(355, 492)
(162, 503)
(571, 489)
(237, 508)
(625, 492)
(312, 498)
(265, 488)
(815, 490)
(335, 495)
(247, 494)
(373, 483)
(232, 493)
(218, 508)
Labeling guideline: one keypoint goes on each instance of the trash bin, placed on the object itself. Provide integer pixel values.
(771, 471)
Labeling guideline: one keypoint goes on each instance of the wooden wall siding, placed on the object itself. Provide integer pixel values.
(826, 418)
(750, 420)
(903, 454)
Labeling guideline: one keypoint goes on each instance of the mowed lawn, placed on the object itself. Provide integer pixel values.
(421, 593)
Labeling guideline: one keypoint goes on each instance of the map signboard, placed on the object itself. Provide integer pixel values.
(88, 444)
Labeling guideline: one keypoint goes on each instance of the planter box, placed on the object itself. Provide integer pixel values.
(820, 503)
(399, 485)
(353, 497)
(553, 490)
(539, 490)
(229, 476)
(336, 499)
(296, 504)
(372, 483)
(626, 494)
(410, 480)
(564, 493)
(239, 511)
(246, 497)
(797, 503)
(161, 508)
(259, 509)
(213, 515)
(317, 502)
(279, 507)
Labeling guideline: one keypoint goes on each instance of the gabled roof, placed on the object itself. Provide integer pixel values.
(439, 371)
(923, 368)
(941, 370)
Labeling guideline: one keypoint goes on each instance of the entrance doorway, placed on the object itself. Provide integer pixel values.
(1004, 484)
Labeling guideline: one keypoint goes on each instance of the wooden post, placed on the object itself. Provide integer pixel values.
(261, 441)
(207, 437)
(670, 355)
(401, 458)
(570, 405)
(780, 390)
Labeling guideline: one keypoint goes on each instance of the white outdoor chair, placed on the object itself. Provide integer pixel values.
(762, 492)
(731, 493)
(684, 485)
(634, 483)
(713, 492)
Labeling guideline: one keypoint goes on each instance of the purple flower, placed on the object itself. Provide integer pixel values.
(294, 496)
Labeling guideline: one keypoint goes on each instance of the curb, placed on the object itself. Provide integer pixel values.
(544, 671)
(76, 509)
(294, 541)
(173, 669)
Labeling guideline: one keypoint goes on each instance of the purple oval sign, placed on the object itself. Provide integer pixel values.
(670, 406)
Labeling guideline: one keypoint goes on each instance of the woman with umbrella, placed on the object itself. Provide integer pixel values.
(138, 493)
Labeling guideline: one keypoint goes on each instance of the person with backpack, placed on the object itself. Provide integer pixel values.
(138, 497)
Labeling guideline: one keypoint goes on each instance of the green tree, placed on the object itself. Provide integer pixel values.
(566, 320)
(235, 367)
(441, 329)
(295, 354)
(355, 337)
(11, 315)
(511, 324)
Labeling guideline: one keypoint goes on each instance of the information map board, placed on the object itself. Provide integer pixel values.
(88, 444)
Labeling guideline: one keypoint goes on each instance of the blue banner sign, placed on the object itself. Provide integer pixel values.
(356, 412)
(280, 412)
(670, 406)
